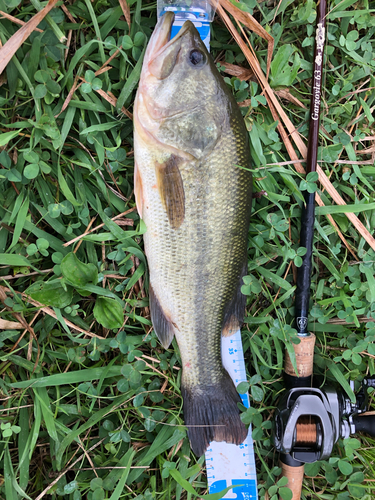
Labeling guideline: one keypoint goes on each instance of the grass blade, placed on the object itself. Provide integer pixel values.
(69, 378)
(128, 458)
(59, 34)
(8, 476)
(20, 222)
(88, 424)
(334, 369)
(14, 260)
(23, 438)
(273, 278)
(130, 84)
(7, 136)
(45, 404)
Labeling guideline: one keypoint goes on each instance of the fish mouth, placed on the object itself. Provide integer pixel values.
(161, 37)
(161, 55)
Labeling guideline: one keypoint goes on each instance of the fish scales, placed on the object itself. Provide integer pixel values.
(196, 252)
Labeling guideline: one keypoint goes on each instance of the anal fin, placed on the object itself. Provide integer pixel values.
(235, 308)
(162, 325)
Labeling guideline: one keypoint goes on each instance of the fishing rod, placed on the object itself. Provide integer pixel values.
(308, 420)
(304, 351)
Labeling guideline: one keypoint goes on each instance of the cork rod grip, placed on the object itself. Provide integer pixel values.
(304, 358)
(295, 479)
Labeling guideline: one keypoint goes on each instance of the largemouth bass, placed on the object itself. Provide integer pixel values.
(190, 144)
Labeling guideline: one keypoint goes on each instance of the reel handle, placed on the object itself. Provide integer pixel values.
(365, 423)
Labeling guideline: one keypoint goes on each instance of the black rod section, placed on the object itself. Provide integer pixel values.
(292, 469)
(308, 210)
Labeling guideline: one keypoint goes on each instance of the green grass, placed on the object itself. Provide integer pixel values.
(90, 402)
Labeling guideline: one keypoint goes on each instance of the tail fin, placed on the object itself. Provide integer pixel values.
(211, 414)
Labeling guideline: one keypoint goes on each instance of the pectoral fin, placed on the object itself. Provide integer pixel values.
(138, 190)
(171, 190)
(162, 325)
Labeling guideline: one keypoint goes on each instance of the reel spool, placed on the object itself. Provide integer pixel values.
(309, 421)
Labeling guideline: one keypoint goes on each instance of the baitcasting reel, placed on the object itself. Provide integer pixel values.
(309, 421)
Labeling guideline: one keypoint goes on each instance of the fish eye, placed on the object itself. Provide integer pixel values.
(197, 58)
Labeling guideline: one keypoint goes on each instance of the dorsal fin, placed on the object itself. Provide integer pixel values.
(171, 189)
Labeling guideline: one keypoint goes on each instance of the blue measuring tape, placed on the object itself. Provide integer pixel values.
(198, 17)
(230, 464)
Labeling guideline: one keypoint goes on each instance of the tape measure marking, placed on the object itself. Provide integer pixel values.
(229, 464)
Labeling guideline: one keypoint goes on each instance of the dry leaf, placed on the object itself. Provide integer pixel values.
(278, 112)
(68, 14)
(109, 97)
(75, 86)
(10, 325)
(247, 20)
(15, 20)
(126, 10)
(238, 71)
(115, 54)
(16, 40)
(245, 103)
(46, 310)
(102, 70)
(285, 94)
(366, 151)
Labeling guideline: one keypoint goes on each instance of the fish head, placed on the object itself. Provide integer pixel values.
(178, 63)
(181, 90)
